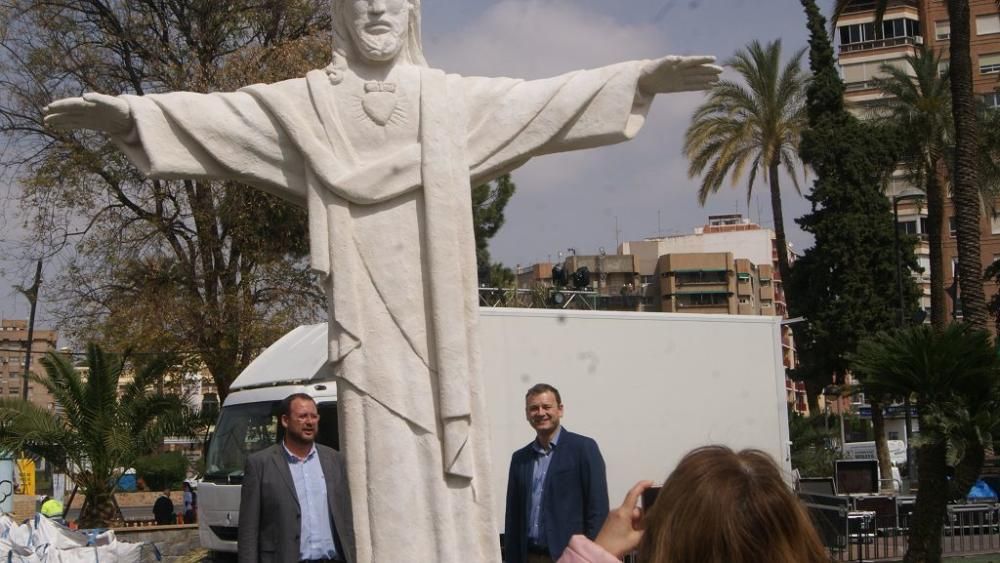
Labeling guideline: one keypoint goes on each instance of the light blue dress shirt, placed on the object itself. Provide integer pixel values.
(316, 533)
(536, 527)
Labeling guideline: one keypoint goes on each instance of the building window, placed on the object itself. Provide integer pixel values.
(891, 29)
(952, 230)
(989, 64)
(988, 24)
(850, 34)
(893, 435)
(942, 30)
(943, 67)
(908, 227)
(702, 300)
(992, 100)
(995, 224)
(702, 276)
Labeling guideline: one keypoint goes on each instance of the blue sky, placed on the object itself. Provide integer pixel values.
(575, 200)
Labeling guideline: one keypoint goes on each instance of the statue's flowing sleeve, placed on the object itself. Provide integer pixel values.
(184, 135)
(511, 121)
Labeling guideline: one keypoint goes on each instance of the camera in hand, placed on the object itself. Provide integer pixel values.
(649, 496)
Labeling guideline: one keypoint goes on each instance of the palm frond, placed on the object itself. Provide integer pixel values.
(748, 124)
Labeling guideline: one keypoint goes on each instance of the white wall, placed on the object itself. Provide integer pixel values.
(648, 387)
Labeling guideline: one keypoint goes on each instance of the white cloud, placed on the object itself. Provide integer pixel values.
(536, 38)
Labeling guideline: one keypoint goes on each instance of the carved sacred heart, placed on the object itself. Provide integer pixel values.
(379, 101)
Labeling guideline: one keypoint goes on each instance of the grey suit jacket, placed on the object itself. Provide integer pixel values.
(270, 516)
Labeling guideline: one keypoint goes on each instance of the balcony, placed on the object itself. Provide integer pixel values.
(861, 6)
(881, 44)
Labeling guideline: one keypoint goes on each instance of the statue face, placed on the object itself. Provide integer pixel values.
(379, 27)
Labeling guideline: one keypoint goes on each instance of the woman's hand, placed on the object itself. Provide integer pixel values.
(621, 532)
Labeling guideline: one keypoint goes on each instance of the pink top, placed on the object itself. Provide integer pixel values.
(582, 550)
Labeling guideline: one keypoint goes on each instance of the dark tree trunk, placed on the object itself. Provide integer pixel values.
(779, 227)
(966, 193)
(932, 501)
(935, 240)
(881, 444)
(98, 509)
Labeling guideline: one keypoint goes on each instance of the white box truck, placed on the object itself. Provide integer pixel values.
(647, 386)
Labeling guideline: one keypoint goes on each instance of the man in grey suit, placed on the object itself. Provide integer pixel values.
(294, 504)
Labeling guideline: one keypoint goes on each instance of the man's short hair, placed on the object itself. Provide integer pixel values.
(285, 409)
(540, 388)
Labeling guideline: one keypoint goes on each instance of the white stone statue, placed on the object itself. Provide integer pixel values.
(382, 150)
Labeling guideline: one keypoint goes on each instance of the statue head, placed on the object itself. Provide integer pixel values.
(377, 32)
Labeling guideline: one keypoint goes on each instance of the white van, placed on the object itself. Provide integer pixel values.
(648, 387)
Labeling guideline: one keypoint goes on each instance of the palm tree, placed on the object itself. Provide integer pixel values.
(954, 373)
(96, 432)
(920, 107)
(965, 185)
(757, 124)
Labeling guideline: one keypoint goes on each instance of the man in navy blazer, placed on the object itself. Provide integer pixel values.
(557, 485)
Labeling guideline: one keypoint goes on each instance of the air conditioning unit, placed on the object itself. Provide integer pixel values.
(918, 39)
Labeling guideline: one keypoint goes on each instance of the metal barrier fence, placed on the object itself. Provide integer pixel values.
(872, 528)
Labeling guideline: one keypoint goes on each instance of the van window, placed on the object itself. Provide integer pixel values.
(247, 428)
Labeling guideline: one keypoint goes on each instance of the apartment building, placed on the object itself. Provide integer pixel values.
(714, 282)
(730, 233)
(13, 346)
(863, 49)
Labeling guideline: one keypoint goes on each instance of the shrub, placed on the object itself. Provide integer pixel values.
(162, 470)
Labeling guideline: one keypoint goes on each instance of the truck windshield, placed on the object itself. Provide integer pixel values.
(251, 427)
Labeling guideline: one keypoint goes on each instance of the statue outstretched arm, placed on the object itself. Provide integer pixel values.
(99, 112)
(188, 135)
(511, 121)
(678, 74)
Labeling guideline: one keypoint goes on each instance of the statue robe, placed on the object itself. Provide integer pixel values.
(391, 233)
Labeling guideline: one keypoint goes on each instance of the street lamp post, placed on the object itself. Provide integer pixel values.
(32, 294)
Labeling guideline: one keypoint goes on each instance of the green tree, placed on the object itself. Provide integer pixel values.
(757, 124)
(953, 374)
(212, 267)
(488, 203)
(162, 470)
(989, 178)
(965, 181)
(811, 448)
(96, 432)
(920, 106)
(845, 285)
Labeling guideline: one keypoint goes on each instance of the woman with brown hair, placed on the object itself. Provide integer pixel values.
(718, 506)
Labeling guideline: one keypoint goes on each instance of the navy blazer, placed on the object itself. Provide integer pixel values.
(574, 496)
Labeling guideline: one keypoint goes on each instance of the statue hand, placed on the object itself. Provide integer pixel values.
(678, 74)
(99, 112)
